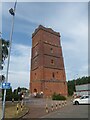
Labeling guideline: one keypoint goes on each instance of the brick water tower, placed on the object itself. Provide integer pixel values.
(47, 73)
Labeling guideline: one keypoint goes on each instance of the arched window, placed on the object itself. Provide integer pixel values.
(35, 90)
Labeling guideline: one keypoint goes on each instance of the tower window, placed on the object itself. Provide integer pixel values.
(52, 62)
(53, 75)
(51, 50)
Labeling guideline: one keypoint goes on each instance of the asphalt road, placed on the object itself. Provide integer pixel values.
(70, 111)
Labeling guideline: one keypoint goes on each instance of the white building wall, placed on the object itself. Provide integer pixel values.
(82, 90)
(83, 87)
(83, 93)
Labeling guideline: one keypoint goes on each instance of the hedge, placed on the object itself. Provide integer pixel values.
(58, 97)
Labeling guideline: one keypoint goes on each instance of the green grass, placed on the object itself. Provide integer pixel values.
(11, 110)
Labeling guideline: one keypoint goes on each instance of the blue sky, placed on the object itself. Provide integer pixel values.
(68, 18)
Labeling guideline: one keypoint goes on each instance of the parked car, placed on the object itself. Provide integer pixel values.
(85, 99)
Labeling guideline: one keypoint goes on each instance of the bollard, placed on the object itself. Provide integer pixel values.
(56, 106)
(71, 100)
(12, 100)
(21, 106)
(17, 108)
(62, 103)
(22, 103)
(47, 111)
(59, 104)
(65, 102)
(52, 107)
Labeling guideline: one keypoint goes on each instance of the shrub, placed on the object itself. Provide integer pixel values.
(8, 97)
(16, 97)
(58, 97)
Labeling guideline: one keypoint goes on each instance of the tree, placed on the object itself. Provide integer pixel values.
(71, 87)
(79, 81)
(8, 94)
(2, 78)
(4, 45)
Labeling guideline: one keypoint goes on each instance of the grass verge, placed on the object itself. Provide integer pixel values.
(11, 110)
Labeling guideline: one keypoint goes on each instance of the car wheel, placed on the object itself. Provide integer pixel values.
(76, 103)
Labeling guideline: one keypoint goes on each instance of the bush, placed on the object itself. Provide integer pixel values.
(58, 97)
(16, 97)
(8, 97)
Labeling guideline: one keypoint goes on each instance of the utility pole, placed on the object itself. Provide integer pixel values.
(12, 12)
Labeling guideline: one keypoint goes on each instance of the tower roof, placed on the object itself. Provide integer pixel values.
(45, 29)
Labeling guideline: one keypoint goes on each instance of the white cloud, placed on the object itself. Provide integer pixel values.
(19, 79)
(20, 57)
(19, 70)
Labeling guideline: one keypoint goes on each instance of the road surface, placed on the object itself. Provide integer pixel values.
(70, 111)
(37, 110)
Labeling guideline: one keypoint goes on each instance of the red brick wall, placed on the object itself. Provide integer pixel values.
(37, 38)
(56, 50)
(59, 74)
(50, 38)
(57, 62)
(50, 88)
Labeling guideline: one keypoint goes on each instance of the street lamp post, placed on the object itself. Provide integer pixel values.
(12, 12)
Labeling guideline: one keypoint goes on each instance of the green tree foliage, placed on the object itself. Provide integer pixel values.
(2, 78)
(4, 45)
(71, 87)
(8, 94)
(79, 81)
(83, 80)
(13, 94)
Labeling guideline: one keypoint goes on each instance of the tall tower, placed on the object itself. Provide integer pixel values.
(47, 66)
